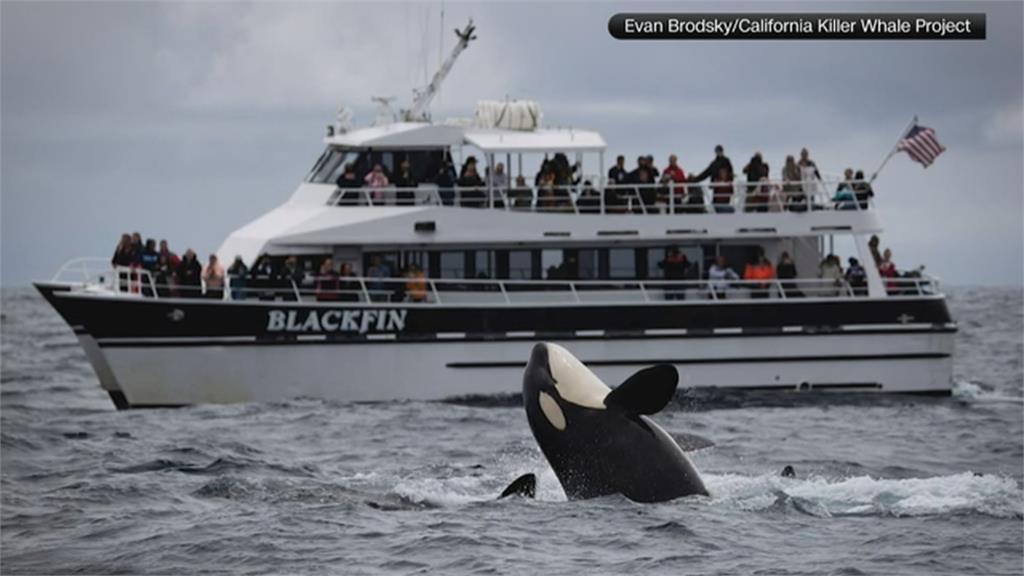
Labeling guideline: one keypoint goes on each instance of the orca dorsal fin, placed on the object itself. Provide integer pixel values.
(525, 486)
(646, 392)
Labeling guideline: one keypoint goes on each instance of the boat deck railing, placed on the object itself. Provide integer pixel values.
(739, 196)
(137, 282)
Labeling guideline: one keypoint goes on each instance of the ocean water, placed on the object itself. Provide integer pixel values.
(885, 484)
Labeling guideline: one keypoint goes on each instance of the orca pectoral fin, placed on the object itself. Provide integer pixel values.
(646, 392)
(525, 486)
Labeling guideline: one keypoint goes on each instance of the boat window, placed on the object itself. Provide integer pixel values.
(551, 263)
(453, 264)
(588, 264)
(483, 261)
(331, 165)
(520, 265)
(621, 263)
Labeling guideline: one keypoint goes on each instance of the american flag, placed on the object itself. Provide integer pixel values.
(921, 144)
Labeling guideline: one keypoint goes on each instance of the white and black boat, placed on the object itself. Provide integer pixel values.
(504, 266)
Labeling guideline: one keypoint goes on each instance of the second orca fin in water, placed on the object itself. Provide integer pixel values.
(646, 392)
(525, 486)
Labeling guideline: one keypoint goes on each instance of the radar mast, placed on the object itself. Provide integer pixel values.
(421, 102)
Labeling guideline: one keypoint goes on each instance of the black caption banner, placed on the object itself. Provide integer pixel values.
(797, 26)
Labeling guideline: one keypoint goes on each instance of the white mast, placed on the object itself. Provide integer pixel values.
(418, 112)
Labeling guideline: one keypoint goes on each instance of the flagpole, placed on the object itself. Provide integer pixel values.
(893, 151)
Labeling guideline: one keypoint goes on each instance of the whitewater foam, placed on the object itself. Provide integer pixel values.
(962, 493)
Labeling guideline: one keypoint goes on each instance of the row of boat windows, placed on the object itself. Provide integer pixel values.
(558, 264)
(423, 164)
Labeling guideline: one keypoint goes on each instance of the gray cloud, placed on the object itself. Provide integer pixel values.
(185, 120)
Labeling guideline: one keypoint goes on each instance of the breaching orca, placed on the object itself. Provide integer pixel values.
(600, 441)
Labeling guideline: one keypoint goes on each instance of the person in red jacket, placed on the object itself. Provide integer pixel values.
(674, 174)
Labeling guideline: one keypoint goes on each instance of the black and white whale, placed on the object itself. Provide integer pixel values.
(600, 441)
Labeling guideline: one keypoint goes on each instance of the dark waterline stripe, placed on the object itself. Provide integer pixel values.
(206, 341)
(749, 360)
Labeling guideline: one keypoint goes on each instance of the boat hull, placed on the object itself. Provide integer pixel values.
(154, 352)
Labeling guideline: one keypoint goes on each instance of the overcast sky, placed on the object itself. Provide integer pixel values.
(185, 120)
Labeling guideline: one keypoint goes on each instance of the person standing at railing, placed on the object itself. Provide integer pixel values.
(831, 272)
(649, 164)
(172, 258)
(378, 272)
(327, 284)
(862, 190)
(289, 279)
(376, 180)
(759, 274)
(164, 275)
(754, 171)
(617, 174)
(263, 276)
(497, 179)
(148, 260)
(646, 192)
(445, 181)
(213, 276)
(469, 163)
(674, 180)
(810, 177)
(786, 270)
(887, 269)
(471, 187)
(795, 199)
(521, 196)
(721, 191)
(589, 200)
(546, 200)
(123, 252)
(237, 273)
(721, 173)
(720, 276)
(348, 288)
(415, 285)
(149, 256)
(189, 275)
(857, 277)
(676, 268)
(347, 182)
(844, 198)
(714, 169)
(404, 180)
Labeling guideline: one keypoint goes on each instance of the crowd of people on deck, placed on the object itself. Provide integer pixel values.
(643, 189)
(760, 275)
(170, 275)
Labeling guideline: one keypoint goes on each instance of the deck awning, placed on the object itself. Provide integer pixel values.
(400, 135)
(536, 141)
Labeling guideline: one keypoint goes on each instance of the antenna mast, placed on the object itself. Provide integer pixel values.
(423, 97)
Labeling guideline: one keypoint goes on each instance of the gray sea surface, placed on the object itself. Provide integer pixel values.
(885, 484)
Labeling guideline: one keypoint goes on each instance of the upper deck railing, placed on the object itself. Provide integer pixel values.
(666, 198)
(137, 282)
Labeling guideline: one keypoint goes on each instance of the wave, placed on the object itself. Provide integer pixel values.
(963, 493)
(972, 391)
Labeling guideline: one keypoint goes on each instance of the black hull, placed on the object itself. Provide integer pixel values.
(119, 317)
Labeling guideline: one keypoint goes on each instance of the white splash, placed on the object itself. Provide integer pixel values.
(863, 495)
